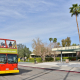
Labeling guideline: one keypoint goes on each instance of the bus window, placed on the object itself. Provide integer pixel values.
(14, 45)
(11, 44)
(3, 59)
(12, 58)
(2, 43)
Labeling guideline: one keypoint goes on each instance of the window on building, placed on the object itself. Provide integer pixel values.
(74, 55)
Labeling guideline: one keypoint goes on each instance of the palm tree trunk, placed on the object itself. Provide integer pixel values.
(78, 27)
(54, 56)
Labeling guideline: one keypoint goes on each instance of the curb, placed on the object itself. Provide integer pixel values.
(50, 69)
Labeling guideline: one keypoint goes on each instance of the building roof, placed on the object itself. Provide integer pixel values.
(67, 49)
(32, 54)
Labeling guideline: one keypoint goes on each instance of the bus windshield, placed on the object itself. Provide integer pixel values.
(3, 59)
(12, 58)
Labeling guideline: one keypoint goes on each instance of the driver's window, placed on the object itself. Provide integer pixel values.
(3, 59)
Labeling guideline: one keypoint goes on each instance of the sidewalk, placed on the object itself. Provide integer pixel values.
(60, 66)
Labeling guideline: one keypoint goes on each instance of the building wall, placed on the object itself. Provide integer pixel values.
(69, 54)
(64, 54)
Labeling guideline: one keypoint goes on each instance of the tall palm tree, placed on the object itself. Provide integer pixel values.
(75, 10)
(55, 45)
(55, 40)
(50, 39)
(58, 44)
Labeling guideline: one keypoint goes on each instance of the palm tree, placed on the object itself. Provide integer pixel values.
(75, 10)
(55, 45)
(50, 39)
(74, 44)
(58, 44)
(54, 40)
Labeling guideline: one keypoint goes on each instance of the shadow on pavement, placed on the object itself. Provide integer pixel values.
(67, 75)
(21, 71)
(44, 72)
(37, 75)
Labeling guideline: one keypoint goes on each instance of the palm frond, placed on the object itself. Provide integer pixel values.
(71, 11)
(71, 15)
(74, 5)
(75, 9)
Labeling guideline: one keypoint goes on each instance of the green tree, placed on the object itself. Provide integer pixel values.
(74, 44)
(54, 40)
(68, 41)
(58, 44)
(50, 39)
(63, 42)
(23, 51)
(20, 50)
(75, 10)
(26, 52)
(55, 45)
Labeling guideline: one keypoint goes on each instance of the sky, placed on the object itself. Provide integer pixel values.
(25, 20)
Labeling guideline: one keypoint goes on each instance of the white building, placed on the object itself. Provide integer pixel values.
(71, 51)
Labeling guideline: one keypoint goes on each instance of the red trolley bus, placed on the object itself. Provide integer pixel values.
(8, 56)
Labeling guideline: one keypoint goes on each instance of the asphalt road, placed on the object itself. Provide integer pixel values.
(27, 73)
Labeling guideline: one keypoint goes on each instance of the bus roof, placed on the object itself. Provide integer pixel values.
(7, 39)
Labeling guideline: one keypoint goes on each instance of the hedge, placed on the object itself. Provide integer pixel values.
(49, 59)
(32, 60)
(58, 58)
(39, 59)
(64, 58)
(72, 58)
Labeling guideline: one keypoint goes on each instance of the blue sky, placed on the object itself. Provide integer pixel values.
(25, 20)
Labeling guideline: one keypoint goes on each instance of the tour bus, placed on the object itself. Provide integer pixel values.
(8, 56)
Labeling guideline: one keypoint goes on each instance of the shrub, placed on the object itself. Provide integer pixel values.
(49, 59)
(72, 58)
(78, 57)
(64, 58)
(58, 58)
(38, 59)
(32, 60)
(21, 60)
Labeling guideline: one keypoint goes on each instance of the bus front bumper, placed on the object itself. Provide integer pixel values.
(9, 71)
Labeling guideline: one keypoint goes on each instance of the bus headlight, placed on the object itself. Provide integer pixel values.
(7, 68)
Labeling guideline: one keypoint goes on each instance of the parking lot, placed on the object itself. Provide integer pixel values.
(27, 73)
